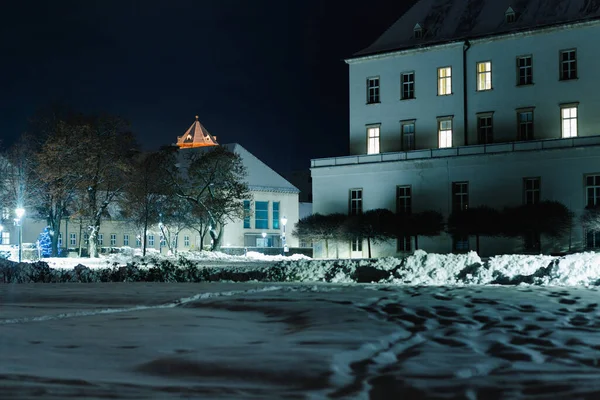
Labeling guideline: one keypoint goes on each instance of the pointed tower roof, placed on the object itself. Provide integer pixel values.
(196, 136)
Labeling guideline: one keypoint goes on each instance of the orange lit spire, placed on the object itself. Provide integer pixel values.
(196, 136)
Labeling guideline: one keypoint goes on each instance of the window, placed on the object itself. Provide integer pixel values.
(373, 90)
(113, 239)
(484, 75)
(357, 244)
(138, 241)
(355, 201)
(531, 190)
(485, 131)
(592, 190)
(72, 239)
(568, 117)
(510, 16)
(568, 65)
(460, 243)
(247, 214)
(186, 241)
(151, 240)
(5, 237)
(524, 70)
(408, 135)
(460, 196)
(408, 86)
(162, 242)
(86, 238)
(100, 239)
(373, 139)
(261, 216)
(418, 31)
(403, 200)
(403, 243)
(126, 240)
(60, 242)
(592, 239)
(444, 81)
(275, 215)
(525, 124)
(445, 132)
(5, 213)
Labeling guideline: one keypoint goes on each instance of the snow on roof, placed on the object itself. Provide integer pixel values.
(450, 20)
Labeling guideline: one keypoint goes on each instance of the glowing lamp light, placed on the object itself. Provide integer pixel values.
(283, 221)
(20, 212)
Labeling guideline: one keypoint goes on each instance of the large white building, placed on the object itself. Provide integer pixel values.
(467, 103)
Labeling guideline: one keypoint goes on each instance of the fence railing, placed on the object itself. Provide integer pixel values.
(493, 148)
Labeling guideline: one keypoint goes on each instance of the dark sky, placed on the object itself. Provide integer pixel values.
(263, 73)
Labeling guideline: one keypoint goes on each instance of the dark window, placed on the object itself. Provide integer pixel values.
(525, 121)
(525, 70)
(355, 201)
(531, 190)
(460, 243)
(357, 244)
(532, 241)
(592, 239)
(372, 90)
(460, 196)
(247, 214)
(408, 136)
(404, 243)
(408, 85)
(592, 190)
(568, 65)
(403, 200)
(485, 130)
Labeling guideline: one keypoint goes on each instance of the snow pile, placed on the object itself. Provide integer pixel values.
(421, 268)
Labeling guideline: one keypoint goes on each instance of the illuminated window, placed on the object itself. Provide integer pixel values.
(568, 65)
(247, 214)
(524, 70)
(372, 90)
(72, 239)
(408, 85)
(275, 215)
(445, 132)
(403, 200)
(484, 75)
(5, 238)
(113, 239)
(460, 196)
(592, 190)
(485, 131)
(186, 241)
(151, 240)
(355, 201)
(261, 215)
(373, 139)
(408, 135)
(568, 118)
(444, 81)
(531, 190)
(525, 124)
(126, 240)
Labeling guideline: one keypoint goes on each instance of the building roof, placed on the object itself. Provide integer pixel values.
(196, 136)
(444, 21)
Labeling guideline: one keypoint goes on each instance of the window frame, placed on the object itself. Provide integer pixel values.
(462, 196)
(247, 213)
(441, 143)
(485, 73)
(571, 106)
(355, 204)
(404, 192)
(72, 239)
(275, 213)
(113, 239)
(520, 68)
(186, 241)
(446, 79)
(375, 140)
(489, 128)
(410, 84)
(525, 110)
(375, 97)
(561, 62)
(100, 239)
(408, 122)
(595, 186)
(258, 220)
(125, 239)
(527, 190)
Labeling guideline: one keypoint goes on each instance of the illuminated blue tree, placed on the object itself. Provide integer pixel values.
(45, 241)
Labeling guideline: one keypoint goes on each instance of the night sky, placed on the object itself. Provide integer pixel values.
(266, 74)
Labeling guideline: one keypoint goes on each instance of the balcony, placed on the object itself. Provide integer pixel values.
(532, 145)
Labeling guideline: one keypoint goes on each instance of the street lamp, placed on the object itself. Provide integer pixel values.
(20, 212)
(283, 240)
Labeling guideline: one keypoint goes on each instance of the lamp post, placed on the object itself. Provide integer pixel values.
(283, 239)
(1, 229)
(20, 212)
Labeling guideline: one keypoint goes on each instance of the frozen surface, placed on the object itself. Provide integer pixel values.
(273, 341)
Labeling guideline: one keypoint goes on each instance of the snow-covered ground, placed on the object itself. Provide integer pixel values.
(304, 341)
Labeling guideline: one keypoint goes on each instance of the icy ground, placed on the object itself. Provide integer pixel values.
(297, 341)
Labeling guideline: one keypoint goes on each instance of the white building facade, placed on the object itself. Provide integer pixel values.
(521, 80)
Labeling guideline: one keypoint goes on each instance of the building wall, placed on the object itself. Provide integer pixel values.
(546, 94)
(495, 180)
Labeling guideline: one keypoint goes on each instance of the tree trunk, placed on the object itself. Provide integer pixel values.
(369, 245)
(327, 248)
(416, 242)
(217, 240)
(144, 233)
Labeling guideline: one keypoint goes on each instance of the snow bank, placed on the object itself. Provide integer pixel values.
(421, 268)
